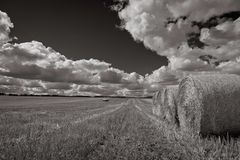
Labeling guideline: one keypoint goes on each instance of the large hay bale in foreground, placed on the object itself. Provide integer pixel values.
(165, 104)
(210, 104)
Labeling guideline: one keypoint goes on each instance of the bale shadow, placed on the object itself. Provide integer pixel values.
(223, 135)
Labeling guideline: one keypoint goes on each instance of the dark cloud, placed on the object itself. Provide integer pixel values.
(56, 85)
(111, 76)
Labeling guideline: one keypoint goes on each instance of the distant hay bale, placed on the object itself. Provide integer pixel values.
(164, 102)
(210, 104)
(156, 102)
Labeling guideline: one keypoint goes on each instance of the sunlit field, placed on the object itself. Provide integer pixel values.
(90, 128)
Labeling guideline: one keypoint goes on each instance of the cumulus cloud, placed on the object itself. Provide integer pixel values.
(112, 75)
(20, 86)
(200, 10)
(32, 60)
(52, 73)
(195, 35)
(9, 81)
(116, 76)
(25, 86)
(32, 68)
(147, 21)
(103, 89)
(164, 75)
(5, 25)
(231, 66)
(222, 33)
(132, 93)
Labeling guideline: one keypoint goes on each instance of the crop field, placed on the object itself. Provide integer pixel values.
(67, 128)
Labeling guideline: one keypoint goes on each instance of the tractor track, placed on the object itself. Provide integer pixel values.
(96, 115)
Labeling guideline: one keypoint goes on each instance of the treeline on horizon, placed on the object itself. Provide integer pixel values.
(55, 95)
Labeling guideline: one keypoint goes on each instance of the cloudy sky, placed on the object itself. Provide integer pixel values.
(124, 47)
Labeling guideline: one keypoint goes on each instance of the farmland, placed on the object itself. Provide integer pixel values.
(89, 128)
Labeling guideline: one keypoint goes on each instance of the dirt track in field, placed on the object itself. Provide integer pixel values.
(96, 115)
(142, 108)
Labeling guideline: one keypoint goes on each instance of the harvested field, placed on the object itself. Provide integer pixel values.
(118, 129)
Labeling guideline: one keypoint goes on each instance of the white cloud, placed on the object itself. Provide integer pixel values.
(222, 33)
(200, 10)
(163, 75)
(5, 25)
(147, 22)
(99, 89)
(231, 66)
(32, 60)
(165, 27)
(32, 63)
(32, 68)
(132, 93)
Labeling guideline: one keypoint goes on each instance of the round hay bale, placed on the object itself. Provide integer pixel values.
(165, 104)
(210, 104)
(156, 103)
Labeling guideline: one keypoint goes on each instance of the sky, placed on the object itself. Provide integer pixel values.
(81, 31)
(121, 47)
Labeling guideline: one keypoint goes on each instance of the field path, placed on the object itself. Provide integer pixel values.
(141, 107)
(96, 115)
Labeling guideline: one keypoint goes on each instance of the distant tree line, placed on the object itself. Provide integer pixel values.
(55, 95)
